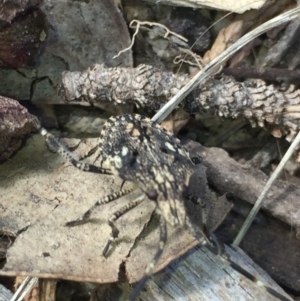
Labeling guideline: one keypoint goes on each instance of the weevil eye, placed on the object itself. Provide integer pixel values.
(197, 160)
(152, 194)
(194, 199)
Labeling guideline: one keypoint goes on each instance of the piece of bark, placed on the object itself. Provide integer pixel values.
(144, 86)
(15, 123)
(199, 275)
(263, 105)
(202, 275)
(39, 198)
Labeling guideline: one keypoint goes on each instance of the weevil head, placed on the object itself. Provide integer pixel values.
(141, 151)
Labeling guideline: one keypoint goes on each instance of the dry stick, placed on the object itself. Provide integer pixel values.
(267, 187)
(216, 63)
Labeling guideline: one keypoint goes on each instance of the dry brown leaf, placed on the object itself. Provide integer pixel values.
(241, 24)
(40, 193)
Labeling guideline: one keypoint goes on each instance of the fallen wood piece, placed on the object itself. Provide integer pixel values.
(200, 275)
(146, 86)
(247, 183)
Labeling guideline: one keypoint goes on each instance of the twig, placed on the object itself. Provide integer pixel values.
(267, 187)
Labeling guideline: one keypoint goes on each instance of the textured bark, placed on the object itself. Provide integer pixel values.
(145, 86)
(263, 105)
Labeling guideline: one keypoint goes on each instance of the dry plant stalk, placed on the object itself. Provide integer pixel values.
(146, 86)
